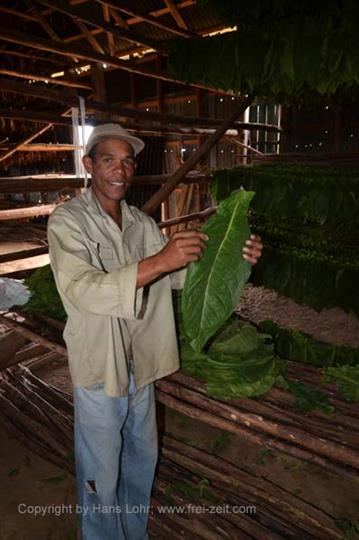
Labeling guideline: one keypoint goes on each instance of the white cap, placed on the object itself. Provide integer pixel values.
(113, 131)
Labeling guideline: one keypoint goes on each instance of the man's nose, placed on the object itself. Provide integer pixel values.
(119, 166)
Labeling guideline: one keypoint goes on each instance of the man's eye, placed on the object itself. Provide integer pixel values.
(107, 159)
(129, 162)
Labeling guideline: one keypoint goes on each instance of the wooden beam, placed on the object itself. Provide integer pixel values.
(90, 38)
(162, 194)
(117, 17)
(23, 54)
(99, 90)
(46, 147)
(110, 38)
(29, 212)
(129, 10)
(31, 76)
(200, 216)
(24, 254)
(20, 14)
(41, 19)
(96, 106)
(129, 35)
(28, 184)
(24, 141)
(28, 139)
(36, 116)
(176, 14)
(151, 128)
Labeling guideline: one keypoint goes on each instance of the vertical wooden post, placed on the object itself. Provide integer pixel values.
(99, 88)
(199, 112)
(285, 135)
(133, 88)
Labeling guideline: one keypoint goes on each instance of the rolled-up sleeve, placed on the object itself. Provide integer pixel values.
(83, 285)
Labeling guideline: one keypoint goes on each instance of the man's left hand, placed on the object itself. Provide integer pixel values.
(252, 251)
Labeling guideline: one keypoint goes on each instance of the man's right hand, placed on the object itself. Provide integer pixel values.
(182, 248)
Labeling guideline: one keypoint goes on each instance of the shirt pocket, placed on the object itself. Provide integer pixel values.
(102, 255)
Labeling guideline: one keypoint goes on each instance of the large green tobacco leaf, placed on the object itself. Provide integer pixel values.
(214, 284)
(238, 363)
(44, 296)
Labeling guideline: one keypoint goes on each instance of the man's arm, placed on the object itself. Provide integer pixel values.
(182, 248)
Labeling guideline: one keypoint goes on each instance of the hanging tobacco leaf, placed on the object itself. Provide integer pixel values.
(214, 284)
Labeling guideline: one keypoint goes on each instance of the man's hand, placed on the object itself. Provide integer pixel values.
(253, 249)
(182, 248)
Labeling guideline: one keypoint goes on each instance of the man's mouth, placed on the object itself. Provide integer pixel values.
(119, 184)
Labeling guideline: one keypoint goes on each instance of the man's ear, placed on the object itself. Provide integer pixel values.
(88, 164)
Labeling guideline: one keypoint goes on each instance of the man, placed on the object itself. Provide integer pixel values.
(114, 272)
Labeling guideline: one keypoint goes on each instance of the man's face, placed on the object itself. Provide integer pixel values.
(112, 170)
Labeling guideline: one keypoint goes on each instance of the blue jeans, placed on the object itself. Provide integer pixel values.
(116, 454)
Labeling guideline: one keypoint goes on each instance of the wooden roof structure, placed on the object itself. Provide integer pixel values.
(52, 52)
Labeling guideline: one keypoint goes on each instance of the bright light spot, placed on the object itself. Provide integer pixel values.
(189, 101)
(88, 130)
(351, 135)
(326, 107)
(326, 132)
(57, 74)
(147, 109)
(223, 31)
(221, 99)
(104, 66)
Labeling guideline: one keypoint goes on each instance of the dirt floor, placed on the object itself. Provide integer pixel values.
(29, 484)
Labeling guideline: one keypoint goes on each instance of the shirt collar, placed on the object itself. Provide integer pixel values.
(128, 219)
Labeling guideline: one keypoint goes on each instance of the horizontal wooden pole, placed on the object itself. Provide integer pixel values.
(71, 100)
(59, 80)
(29, 184)
(200, 216)
(176, 127)
(29, 212)
(24, 254)
(51, 117)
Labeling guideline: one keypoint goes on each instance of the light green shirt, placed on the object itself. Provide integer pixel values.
(110, 321)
